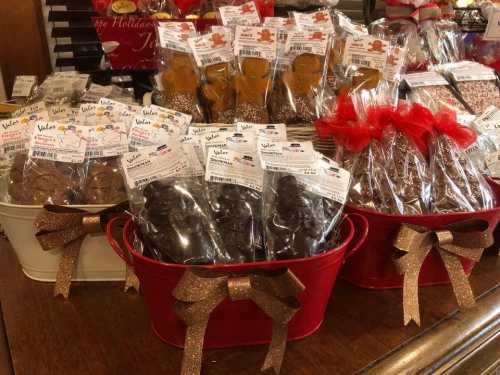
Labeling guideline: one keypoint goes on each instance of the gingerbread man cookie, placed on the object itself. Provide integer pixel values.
(219, 92)
(180, 83)
(252, 86)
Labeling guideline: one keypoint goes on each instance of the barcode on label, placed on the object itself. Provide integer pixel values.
(211, 60)
(300, 48)
(14, 147)
(250, 52)
(94, 154)
(360, 60)
(44, 155)
(271, 168)
(225, 180)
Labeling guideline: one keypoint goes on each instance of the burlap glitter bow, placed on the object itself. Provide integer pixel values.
(200, 291)
(66, 228)
(466, 239)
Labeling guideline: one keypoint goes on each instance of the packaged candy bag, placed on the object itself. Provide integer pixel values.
(54, 171)
(433, 91)
(457, 185)
(234, 191)
(66, 87)
(246, 14)
(443, 41)
(179, 76)
(405, 149)
(299, 90)
(214, 56)
(357, 132)
(104, 182)
(172, 212)
(255, 50)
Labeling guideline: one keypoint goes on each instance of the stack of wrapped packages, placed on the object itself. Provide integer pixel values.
(210, 173)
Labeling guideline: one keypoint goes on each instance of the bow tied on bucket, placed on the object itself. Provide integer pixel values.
(66, 228)
(465, 239)
(200, 291)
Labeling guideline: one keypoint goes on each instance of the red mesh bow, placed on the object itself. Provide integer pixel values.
(415, 122)
(446, 123)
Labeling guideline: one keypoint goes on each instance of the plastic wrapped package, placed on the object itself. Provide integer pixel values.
(214, 57)
(293, 218)
(443, 41)
(176, 225)
(104, 182)
(404, 34)
(405, 149)
(457, 185)
(479, 95)
(179, 76)
(254, 77)
(306, 4)
(298, 97)
(63, 87)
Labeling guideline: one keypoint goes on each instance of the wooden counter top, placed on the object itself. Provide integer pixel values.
(101, 330)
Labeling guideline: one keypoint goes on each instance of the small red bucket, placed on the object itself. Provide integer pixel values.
(238, 323)
(372, 266)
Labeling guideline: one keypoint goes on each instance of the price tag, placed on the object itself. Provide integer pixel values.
(23, 86)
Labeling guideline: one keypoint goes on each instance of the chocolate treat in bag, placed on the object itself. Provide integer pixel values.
(179, 76)
(54, 171)
(104, 182)
(443, 41)
(296, 222)
(172, 213)
(234, 191)
(214, 56)
(405, 147)
(302, 83)
(255, 50)
(457, 185)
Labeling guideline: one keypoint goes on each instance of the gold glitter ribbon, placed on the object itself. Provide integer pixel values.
(66, 228)
(466, 239)
(200, 291)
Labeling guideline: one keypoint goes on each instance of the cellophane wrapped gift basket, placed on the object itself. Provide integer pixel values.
(272, 149)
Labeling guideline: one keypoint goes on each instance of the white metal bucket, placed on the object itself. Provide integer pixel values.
(97, 260)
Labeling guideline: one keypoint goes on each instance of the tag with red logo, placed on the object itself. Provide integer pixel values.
(244, 14)
(255, 41)
(366, 52)
(210, 49)
(298, 42)
(319, 20)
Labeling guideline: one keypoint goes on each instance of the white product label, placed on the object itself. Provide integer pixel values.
(223, 30)
(425, 79)
(23, 86)
(366, 51)
(93, 114)
(195, 141)
(244, 14)
(210, 49)
(106, 140)
(489, 120)
(244, 142)
(96, 92)
(176, 35)
(195, 168)
(58, 142)
(15, 137)
(272, 132)
(332, 182)
(254, 41)
(214, 140)
(202, 129)
(291, 157)
(148, 165)
(113, 103)
(319, 20)
(176, 119)
(126, 117)
(298, 42)
(493, 163)
(493, 28)
(145, 132)
(30, 110)
(352, 28)
(480, 74)
(60, 113)
(279, 22)
(232, 167)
